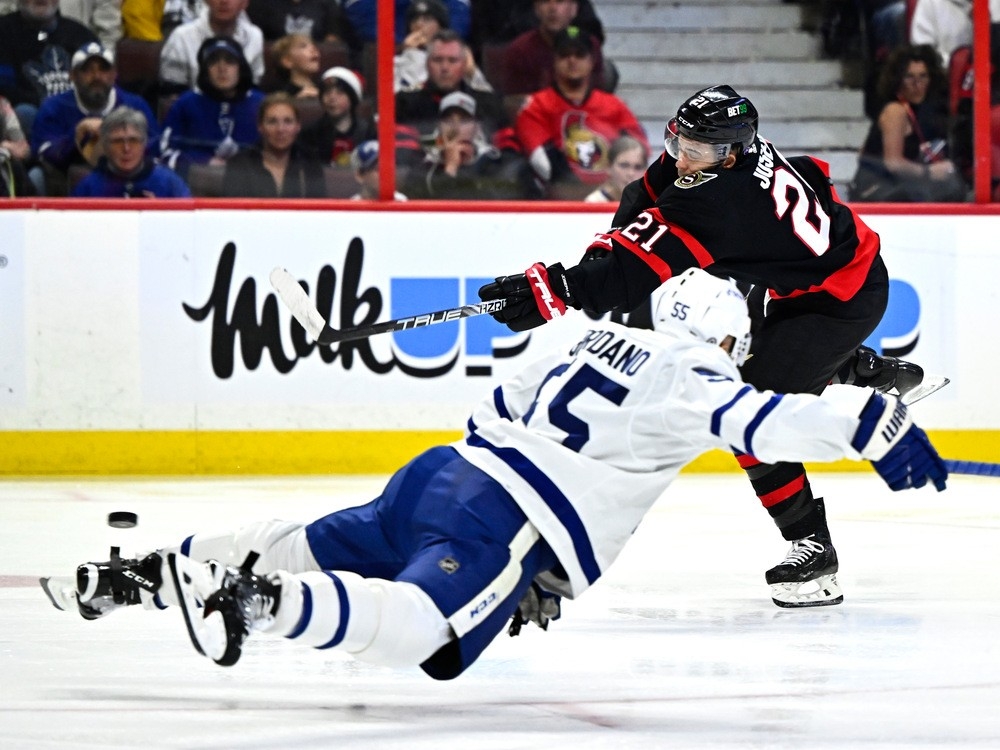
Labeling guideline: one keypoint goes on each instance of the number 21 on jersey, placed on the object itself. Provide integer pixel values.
(814, 231)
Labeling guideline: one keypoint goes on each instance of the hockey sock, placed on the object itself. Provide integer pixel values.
(784, 491)
(383, 622)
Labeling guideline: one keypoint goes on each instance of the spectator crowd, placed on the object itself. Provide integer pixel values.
(918, 83)
(494, 99)
(508, 99)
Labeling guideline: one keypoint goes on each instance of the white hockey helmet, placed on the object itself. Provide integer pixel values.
(695, 303)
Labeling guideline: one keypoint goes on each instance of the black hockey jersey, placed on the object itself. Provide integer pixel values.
(770, 221)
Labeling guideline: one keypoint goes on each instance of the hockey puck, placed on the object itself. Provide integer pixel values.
(122, 519)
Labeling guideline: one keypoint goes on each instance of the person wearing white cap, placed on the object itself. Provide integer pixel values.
(66, 129)
(333, 136)
(463, 164)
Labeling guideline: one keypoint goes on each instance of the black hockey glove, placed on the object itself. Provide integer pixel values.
(600, 246)
(533, 297)
(899, 450)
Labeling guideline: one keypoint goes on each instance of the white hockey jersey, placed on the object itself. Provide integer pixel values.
(588, 439)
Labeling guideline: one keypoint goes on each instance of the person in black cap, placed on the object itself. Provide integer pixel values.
(567, 128)
(527, 61)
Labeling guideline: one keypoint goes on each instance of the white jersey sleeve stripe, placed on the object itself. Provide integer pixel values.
(553, 497)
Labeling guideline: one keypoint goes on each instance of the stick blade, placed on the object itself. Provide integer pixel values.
(297, 301)
(931, 384)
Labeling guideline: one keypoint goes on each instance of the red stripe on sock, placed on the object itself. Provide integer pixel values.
(783, 493)
(746, 461)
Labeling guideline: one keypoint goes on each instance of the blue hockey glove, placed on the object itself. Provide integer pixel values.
(899, 450)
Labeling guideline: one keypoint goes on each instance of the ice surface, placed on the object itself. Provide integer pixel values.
(679, 646)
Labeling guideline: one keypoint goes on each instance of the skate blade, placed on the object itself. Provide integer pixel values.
(207, 634)
(819, 592)
(61, 591)
(931, 384)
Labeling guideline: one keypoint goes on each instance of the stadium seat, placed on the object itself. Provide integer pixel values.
(206, 180)
(340, 182)
(138, 64)
(960, 79)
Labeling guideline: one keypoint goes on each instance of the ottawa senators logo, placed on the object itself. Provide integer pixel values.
(694, 180)
(582, 146)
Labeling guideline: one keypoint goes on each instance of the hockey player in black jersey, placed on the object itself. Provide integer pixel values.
(723, 198)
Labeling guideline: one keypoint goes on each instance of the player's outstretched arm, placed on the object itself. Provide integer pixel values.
(898, 449)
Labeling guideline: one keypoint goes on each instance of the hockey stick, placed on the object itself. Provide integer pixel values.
(977, 468)
(296, 299)
(931, 384)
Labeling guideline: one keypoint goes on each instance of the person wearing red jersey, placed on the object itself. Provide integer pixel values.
(725, 199)
(567, 129)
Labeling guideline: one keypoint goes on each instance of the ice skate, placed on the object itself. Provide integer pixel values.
(807, 577)
(245, 602)
(100, 588)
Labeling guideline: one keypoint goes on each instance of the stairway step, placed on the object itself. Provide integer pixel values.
(804, 136)
(655, 101)
(805, 73)
(738, 46)
(699, 16)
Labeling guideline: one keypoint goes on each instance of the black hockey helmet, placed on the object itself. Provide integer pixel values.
(718, 116)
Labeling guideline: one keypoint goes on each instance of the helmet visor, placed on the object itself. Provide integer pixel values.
(693, 151)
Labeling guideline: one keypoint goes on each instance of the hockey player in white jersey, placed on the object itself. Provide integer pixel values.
(558, 467)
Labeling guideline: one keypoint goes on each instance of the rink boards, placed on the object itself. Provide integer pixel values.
(150, 342)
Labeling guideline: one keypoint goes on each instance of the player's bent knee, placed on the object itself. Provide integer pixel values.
(388, 623)
(411, 627)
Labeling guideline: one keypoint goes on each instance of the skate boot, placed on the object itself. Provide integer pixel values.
(807, 577)
(889, 375)
(244, 603)
(103, 587)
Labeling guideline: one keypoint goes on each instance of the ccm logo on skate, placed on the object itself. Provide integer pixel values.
(144, 582)
(483, 605)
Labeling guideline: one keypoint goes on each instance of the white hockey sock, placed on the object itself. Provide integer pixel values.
(383, 622)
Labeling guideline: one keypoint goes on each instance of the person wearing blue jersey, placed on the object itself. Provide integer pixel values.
(124, 170)
(558, 466)
(66, 129)
(212, 123)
